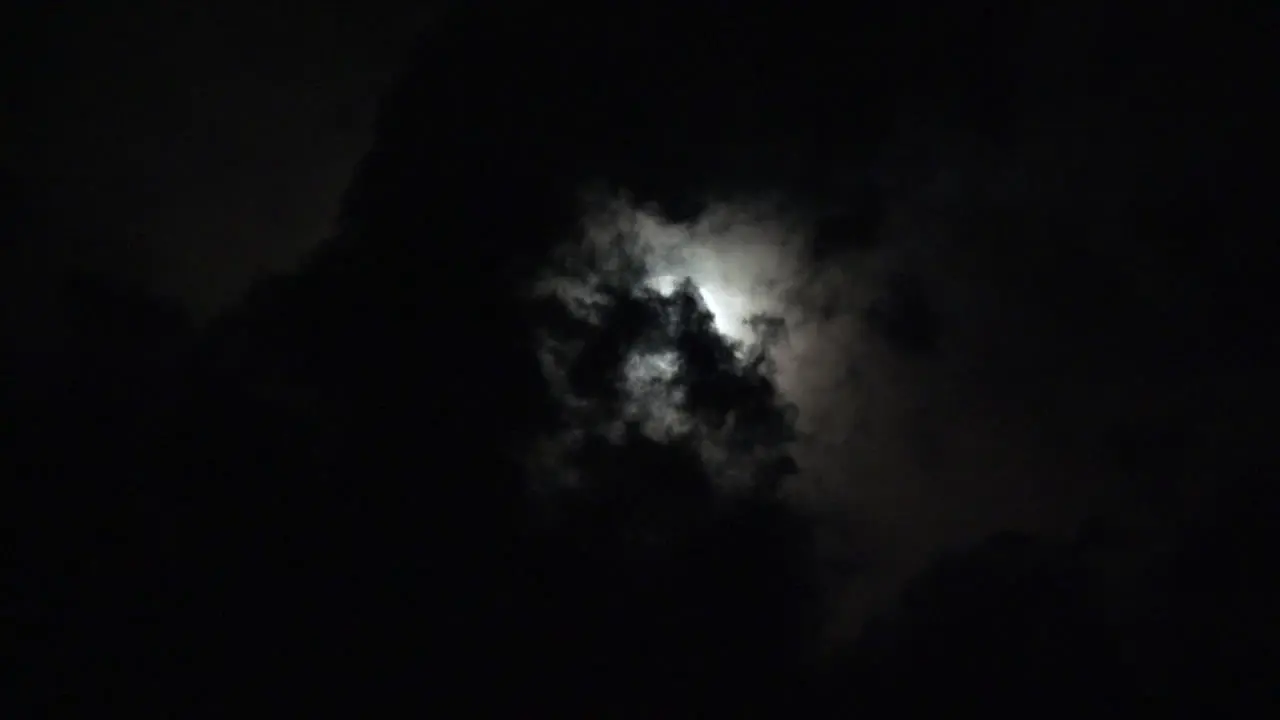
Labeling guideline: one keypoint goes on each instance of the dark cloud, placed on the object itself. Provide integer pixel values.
(1025, 304)
(904, 317)
(199, 146)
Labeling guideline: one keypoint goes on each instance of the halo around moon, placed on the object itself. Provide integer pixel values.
(745, 262)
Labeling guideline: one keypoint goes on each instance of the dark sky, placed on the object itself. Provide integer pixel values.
(193, 146)
(1043, 309)
(1043, 188)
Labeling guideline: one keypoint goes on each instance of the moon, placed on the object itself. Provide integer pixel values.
(744, 261)
(731, 307)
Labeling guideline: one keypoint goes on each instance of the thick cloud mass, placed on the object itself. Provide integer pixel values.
(752, 267)
(742, 266)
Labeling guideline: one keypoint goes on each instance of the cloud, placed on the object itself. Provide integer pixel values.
(752, 265)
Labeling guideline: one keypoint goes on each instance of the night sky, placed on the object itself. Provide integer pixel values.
(1018, 257)
(194, 147)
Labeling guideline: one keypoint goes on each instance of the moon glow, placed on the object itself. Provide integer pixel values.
(745, 261)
